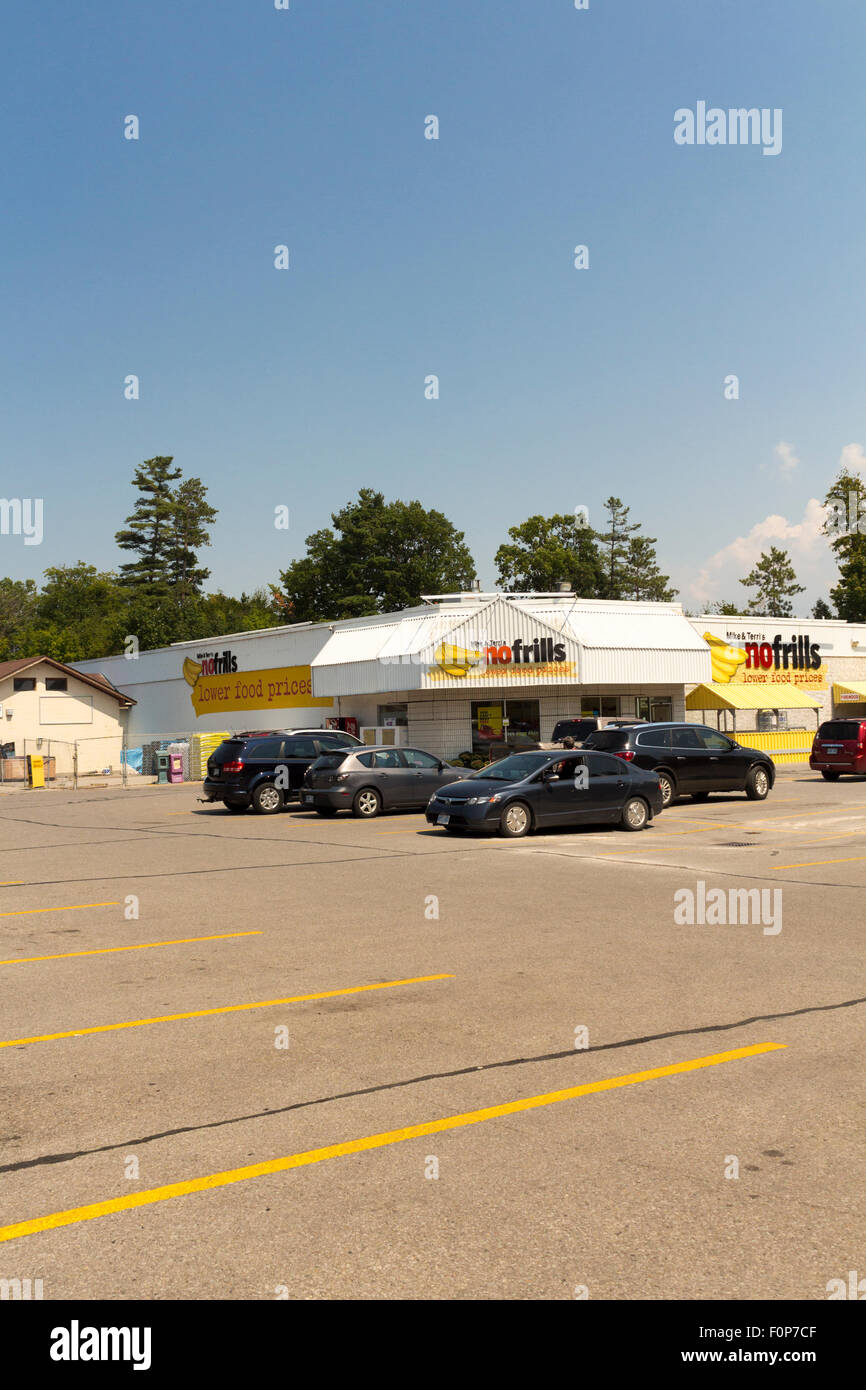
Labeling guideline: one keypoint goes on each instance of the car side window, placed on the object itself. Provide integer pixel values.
(299, 748)
(387, 758)
(603, 765)
(686, 738)
(416, 758)
(654, 738)
(717, 743)
(265, 749)
(366, 759)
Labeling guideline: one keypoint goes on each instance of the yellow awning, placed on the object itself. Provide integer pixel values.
(714, 695)
(851, 693)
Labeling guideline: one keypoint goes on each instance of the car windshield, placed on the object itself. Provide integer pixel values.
(606, 739)
(840, 728)
(513, 769)
(326, 760)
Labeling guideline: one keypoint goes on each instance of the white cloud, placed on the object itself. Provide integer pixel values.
(804, 540)
(788, 460)
(852, 458)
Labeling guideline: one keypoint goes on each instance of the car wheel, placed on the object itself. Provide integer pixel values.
(635, 814)
(667, 787)
(367, 804)
(515, 821)
(267, 799)
(700, 796)
(831, 776)
(234, 806)
(757, 784)
(326, 811)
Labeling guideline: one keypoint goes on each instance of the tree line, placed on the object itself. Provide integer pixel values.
(378, 556)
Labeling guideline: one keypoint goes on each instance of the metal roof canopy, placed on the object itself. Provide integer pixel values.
(843, 688)
(715, 695)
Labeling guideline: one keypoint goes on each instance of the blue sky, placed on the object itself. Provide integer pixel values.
(454, 257)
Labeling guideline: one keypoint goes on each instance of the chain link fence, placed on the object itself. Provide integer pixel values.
(110, 760)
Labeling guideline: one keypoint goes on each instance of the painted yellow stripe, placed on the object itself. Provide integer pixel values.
(227, 1009)
(811, 863)
(143, 946)
(70, 907)
(9, 882)
(371, 1141)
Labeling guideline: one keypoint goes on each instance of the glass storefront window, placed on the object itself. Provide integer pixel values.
(661, 710)
(512, 722)
(392, 716)
(642, 705)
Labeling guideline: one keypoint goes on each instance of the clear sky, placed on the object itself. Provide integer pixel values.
(410, 257)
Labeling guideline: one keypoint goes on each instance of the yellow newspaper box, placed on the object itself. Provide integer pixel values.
(37, 770)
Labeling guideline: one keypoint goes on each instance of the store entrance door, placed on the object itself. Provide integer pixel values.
(501, 725)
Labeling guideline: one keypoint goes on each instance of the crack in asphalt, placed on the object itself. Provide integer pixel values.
(46, 1159)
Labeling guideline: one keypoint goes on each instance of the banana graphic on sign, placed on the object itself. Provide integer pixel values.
(456, 661)
(725, 660)
(191, 671)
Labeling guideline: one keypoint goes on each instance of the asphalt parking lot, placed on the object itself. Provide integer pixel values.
(261, 1057)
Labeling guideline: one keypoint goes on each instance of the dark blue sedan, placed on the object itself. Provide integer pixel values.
(529, 790)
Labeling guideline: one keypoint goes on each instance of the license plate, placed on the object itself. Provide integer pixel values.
(307, 797)
(833, 748)
(442, 820)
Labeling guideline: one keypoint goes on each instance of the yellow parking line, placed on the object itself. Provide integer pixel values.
(371, 1141)
(9, 882)
(227, 1009)
(70, 907)
(810, 863)
(143, 946)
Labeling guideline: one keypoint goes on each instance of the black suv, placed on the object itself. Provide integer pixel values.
(265, 771)
(690, 759)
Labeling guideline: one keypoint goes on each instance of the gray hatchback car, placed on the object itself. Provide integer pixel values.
(368, 780)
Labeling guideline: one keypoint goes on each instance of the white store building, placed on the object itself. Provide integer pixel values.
(455, 674)
(471, 672)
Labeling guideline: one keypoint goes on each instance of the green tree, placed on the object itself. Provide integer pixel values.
(544, 550)
(822, 610)
(81, 605)
(776, 583)
(383, 556)
(149, 527)
(723, 608)
(640, 576)
(615, 544)
(220, 612)
(842, 528)
(191, 516)
(18, 599)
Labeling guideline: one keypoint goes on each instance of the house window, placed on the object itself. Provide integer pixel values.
(55, 682)
(23, 683)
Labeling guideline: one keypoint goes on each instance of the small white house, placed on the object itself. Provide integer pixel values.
(49, 709)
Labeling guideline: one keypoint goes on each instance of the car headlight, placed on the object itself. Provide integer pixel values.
(482, 800)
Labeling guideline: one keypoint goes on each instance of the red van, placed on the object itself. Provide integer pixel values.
(839, 746)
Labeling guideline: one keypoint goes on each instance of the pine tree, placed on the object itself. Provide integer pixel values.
(616, 542)
(191, 515)
(641, 577)
(149, 528)
(774, 578)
